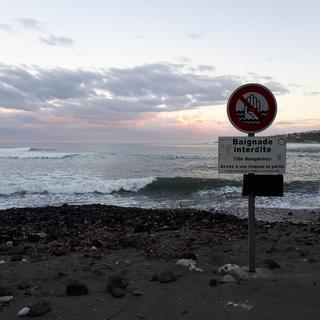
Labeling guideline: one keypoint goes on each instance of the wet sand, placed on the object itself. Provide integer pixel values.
(43, 250)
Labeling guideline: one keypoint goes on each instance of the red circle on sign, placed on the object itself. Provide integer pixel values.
(252, 108)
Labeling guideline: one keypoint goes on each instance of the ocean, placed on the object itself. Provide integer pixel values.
(147, 176)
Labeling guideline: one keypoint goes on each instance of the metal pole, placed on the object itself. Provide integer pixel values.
(251, 228)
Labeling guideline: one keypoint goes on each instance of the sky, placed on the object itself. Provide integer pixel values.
(152, 71)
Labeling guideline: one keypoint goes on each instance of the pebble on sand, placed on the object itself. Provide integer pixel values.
(116, 285)
(39, 308)
(166, 276)
(270, 264)
(76, 288)
(6, 299)
(189, 263)
(228, 278)
(213, 282)
(227, 268)
(24, 312)
(117, 292)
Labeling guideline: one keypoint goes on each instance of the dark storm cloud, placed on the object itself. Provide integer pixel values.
(52, 40)
(115, 94)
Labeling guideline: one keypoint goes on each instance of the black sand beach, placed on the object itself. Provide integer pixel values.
(76, 259)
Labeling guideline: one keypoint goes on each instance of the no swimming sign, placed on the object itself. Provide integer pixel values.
(252, 108)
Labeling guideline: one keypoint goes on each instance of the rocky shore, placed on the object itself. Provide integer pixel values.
(106, 262)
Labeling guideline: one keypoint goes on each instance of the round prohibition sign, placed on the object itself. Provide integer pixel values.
(252, 108)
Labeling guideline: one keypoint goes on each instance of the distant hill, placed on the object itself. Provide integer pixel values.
(304, 137)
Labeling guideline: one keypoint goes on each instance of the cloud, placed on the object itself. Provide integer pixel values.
(141, 103)
(31, 24)
(141, 37)
(195, 35)
(27, 24)
(276, 87)
(202, 68)
(312, 93)
(52, 40)
(298, 125)
(6, 27)
(114, 95)
(260, 77)
(183, 60)
(205, 67)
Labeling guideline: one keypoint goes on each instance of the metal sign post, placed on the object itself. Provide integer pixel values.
(251, 228)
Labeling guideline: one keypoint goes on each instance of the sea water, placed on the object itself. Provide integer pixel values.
(146, 175)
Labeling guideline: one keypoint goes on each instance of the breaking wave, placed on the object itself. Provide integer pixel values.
(31, 153)
(148, 186)
(186, 185)
(77, 187)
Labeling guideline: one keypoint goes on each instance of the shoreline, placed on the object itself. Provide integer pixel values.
(45, 250)
(264, 214)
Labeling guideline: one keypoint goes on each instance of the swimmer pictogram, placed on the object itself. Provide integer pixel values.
(252, 108)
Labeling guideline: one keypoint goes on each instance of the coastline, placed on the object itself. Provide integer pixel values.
(44, 249)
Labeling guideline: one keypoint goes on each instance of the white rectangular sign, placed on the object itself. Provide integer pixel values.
(265, 155)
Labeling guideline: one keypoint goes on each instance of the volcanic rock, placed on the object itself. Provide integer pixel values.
(39, 308)
(166, 276)
(270, 264)
(213, 282)
(76, 289)
(116, 285)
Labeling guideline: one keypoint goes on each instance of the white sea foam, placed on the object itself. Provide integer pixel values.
(226, 191)
(291, 201)
(75, 186)
(230, 197)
